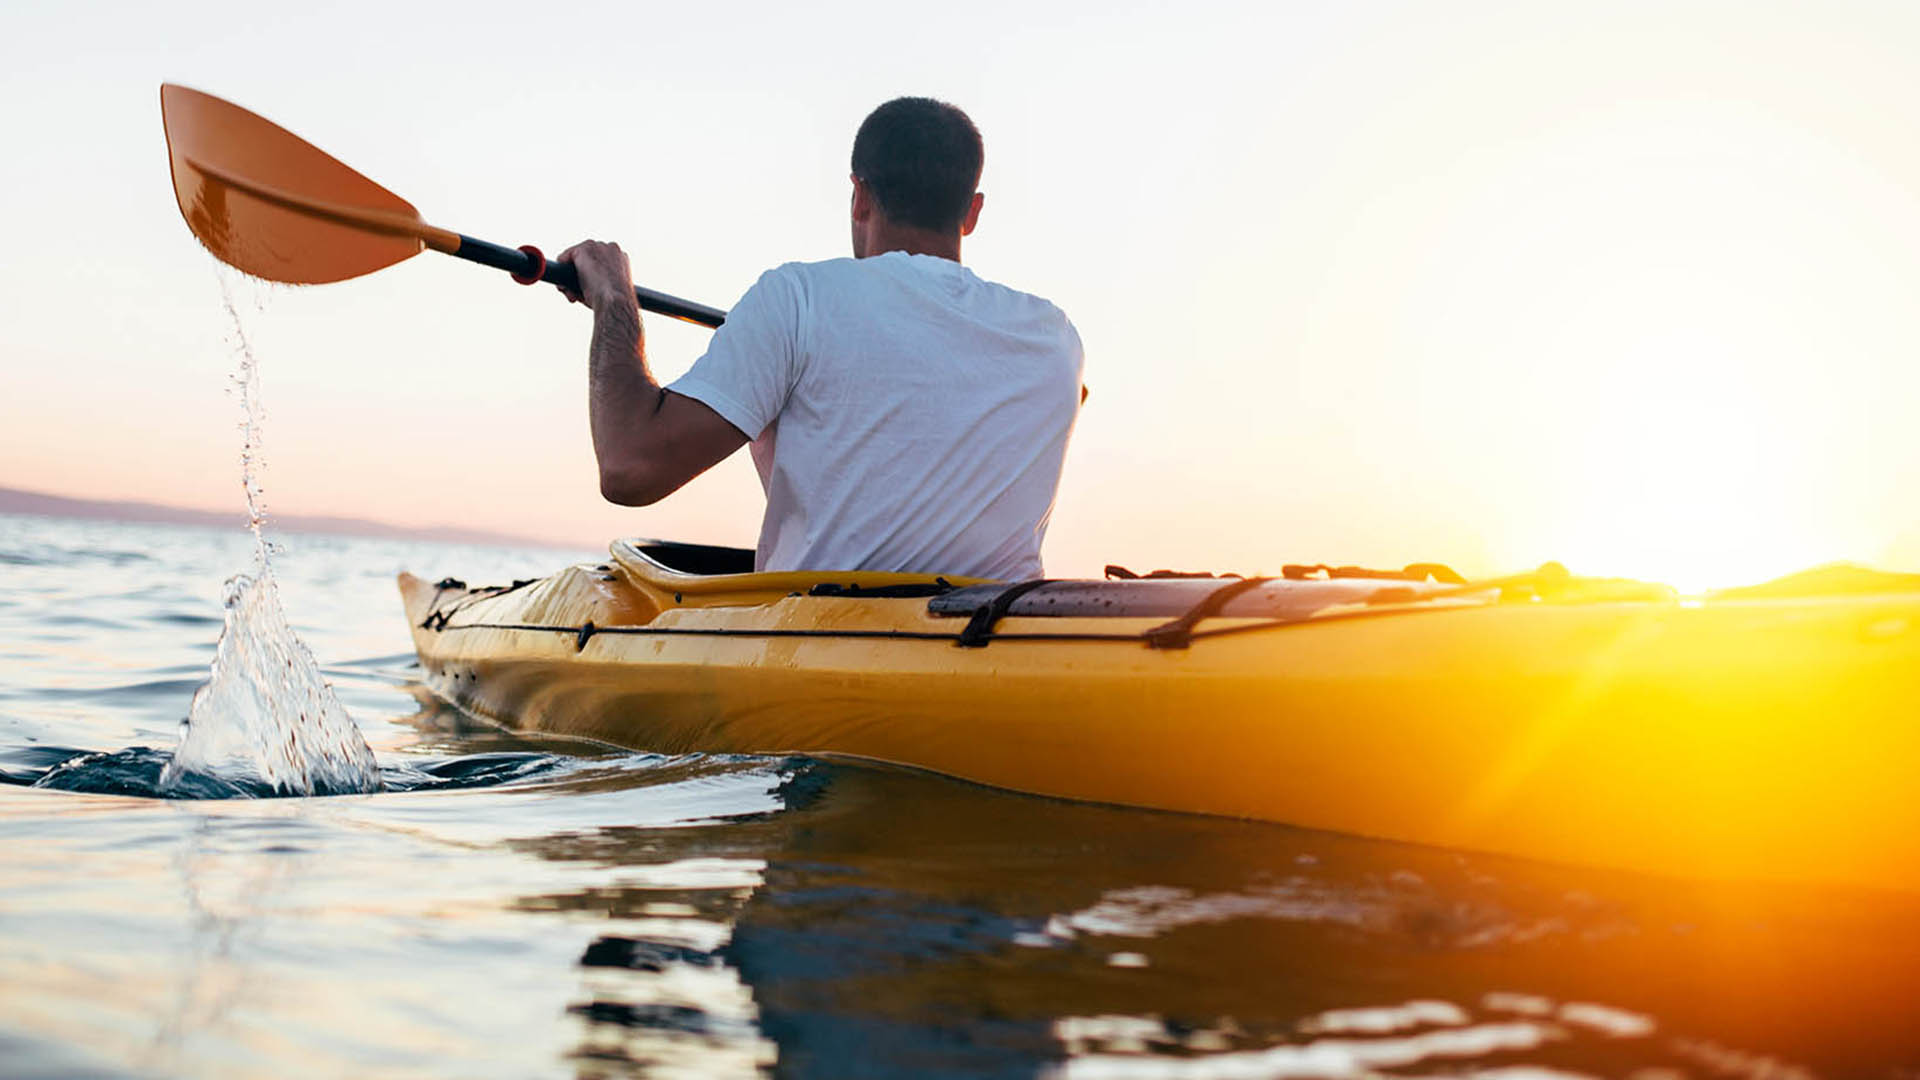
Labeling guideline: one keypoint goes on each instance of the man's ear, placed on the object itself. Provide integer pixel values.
(863, 205)
(973, 213)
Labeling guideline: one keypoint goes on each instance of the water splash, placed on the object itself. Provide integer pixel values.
(136, 771)
(265, 719)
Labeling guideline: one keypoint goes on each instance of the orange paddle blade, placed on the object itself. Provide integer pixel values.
(269, 203)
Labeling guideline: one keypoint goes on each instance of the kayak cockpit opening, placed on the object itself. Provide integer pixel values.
(700, 559)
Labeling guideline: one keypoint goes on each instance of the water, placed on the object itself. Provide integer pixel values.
(522, 907)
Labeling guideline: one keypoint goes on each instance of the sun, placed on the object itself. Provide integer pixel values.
(1690, 482)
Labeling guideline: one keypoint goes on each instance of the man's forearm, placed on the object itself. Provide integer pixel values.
(623, 397)
(647, 442)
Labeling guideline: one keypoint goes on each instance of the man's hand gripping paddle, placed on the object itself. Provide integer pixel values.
(265, 201)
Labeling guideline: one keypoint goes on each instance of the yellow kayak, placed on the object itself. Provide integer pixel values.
(1769, 734)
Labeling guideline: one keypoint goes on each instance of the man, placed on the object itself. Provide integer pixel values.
(904, 414)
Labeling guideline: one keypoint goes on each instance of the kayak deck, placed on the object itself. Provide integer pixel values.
(1601, 723)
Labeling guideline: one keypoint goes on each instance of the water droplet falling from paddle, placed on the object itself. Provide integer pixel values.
(265, 714)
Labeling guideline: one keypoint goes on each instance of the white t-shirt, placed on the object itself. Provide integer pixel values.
(905, 414)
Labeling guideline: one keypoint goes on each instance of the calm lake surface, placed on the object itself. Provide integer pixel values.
(546, 908)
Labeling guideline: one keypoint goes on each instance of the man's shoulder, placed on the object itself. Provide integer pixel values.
(1033, 310)
(801, 272)
(798, 283)
(854, 278)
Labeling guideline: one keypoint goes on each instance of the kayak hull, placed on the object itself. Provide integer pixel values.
(1767, 740)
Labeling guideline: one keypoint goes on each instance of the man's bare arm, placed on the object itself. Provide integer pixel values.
(648, 441)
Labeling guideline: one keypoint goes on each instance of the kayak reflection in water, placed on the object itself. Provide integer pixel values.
(904, 414)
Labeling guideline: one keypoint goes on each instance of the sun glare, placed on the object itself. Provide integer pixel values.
(1691, 539)
(1686, 477)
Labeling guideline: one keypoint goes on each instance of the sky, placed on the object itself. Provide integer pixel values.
(1631, 286)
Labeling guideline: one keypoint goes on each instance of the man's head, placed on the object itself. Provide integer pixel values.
(916, 162)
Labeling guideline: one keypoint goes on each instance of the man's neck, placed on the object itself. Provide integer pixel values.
(913, 242)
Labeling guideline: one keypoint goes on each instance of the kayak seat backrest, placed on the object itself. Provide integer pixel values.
(699, 575)
(697, 558)
(1161, 598)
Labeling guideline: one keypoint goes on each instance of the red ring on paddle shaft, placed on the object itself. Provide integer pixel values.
(539, 265)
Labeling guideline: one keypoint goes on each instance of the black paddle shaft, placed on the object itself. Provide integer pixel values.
(528, 268)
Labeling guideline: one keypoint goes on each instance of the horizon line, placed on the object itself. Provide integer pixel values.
(47, 504)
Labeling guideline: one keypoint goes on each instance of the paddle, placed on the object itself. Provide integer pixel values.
(267, 202)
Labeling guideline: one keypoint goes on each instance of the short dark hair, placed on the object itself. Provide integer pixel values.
(921, 160)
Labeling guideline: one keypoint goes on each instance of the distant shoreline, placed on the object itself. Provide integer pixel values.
(17, 501)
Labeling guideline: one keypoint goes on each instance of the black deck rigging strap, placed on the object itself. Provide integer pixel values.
(1440, 572)
(979, 629)
(438, 618)
(1116, 572)
(911, 590)
(1178, 634)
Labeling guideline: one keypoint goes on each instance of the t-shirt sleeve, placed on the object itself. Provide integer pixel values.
(752, 363)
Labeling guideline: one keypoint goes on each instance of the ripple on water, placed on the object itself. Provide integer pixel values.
(78, 621)
(680, 787)
(1110, 1048)
(183, 619)
(25, 765)
(139, 693)
(1363, 1040)
(137, 770)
